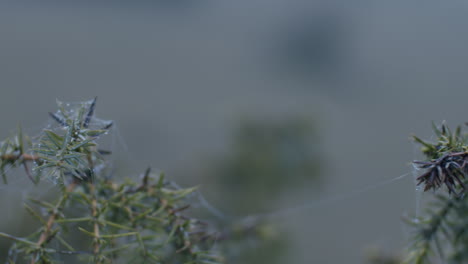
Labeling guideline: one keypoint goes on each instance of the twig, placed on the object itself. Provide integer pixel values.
(45, 235)
(24, 156)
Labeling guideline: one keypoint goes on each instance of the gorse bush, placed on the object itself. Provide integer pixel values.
(96, 218)
(442, 233)
(117, 222)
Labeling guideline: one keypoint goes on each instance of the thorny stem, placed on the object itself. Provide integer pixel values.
(28, 172)
(45, 235)
(431, 231)
(24, 156)
(94, 213)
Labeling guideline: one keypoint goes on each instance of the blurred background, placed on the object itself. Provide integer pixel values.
(266, 105)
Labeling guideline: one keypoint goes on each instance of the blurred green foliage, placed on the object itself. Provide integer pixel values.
(268, 157)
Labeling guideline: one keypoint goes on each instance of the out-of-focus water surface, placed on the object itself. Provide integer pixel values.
(180, 78)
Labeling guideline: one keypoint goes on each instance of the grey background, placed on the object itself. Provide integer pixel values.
(177, 75)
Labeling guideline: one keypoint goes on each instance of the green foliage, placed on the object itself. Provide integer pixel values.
(442, 231)
(72, 150)
(119, 222)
